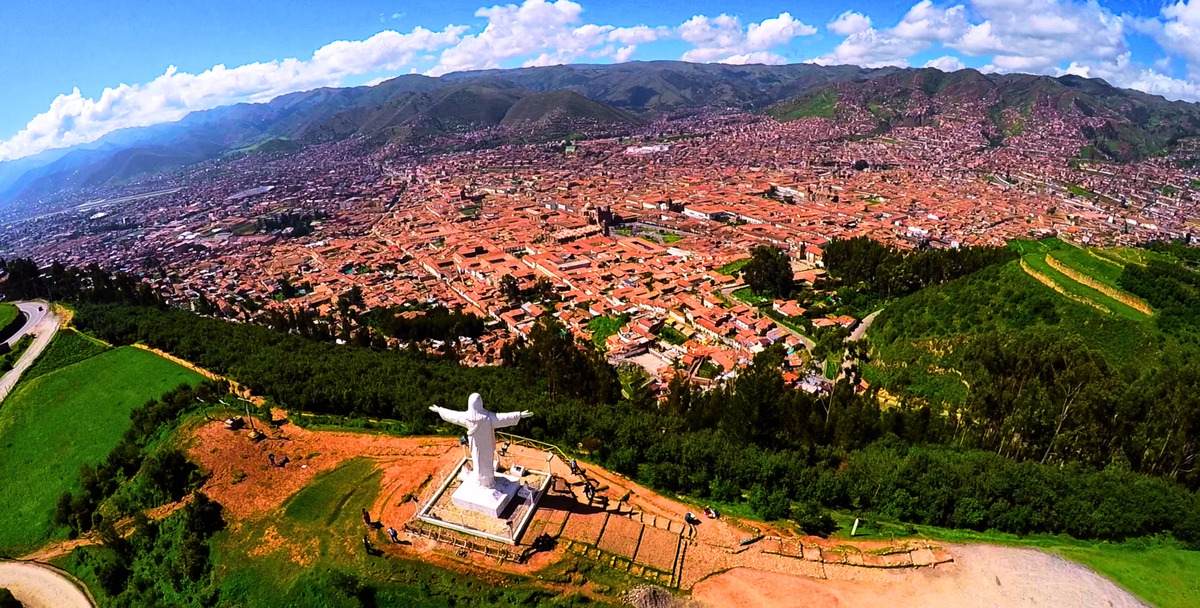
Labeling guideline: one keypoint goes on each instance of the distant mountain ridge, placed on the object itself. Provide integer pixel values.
(1129, 124)
(556, 100)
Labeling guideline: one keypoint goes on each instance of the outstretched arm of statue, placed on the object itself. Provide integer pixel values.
(511, 418)
(451, 416)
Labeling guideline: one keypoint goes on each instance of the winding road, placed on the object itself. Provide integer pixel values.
(34, 584)
(33, 311)
(40, 586)
(41, 323)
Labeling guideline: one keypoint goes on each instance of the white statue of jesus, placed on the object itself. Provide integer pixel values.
(481, 428)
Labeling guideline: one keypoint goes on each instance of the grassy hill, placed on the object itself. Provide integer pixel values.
(8, 313)
(915, 337)
(1081, 275)
(68, 417)
(1084, 291)
(821, 104)
(558, 105)
(10, 320)
(67, 347)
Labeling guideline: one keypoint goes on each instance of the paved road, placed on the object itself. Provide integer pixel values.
(863, 326)
(34, 311)
(40, 586)
(43, 327)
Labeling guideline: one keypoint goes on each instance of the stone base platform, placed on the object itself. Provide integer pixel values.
(489, 501)
(502, 515)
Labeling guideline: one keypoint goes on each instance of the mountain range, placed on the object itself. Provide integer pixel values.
(557, 100)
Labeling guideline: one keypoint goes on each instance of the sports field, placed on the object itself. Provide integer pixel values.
(69, 417)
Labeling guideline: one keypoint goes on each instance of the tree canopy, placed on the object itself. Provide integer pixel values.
(769, 272)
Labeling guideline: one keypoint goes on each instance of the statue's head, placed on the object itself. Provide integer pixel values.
(475, 403)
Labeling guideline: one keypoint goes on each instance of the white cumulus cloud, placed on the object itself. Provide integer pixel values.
(73, 118)
(1052, 37)
(946, 63)
(723, 39)
(552, 31)
(1081, 37)
(849, 22)
(868, 46)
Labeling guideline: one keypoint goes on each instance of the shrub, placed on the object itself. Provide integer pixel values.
(812, 519)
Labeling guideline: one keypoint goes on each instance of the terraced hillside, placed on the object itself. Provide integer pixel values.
(1052, 286)
(1082, 275)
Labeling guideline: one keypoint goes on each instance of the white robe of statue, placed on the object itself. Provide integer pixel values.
(481, 428)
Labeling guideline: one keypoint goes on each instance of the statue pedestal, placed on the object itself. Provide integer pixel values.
(489, 501)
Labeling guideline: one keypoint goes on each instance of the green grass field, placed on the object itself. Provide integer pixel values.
(8, 313)
(818, 105)
(1044, 246)
(1102, 269)
(733, 267)
(68, 347)
(53, 424)
(748, 296)
(1103, 265)
(604, 326)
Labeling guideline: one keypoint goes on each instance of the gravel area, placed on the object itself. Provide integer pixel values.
(982, 576)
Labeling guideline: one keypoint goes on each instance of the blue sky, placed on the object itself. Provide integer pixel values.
(76, 70)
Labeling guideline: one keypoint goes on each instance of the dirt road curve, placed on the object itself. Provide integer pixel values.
(982, 576)
(42, 323)
(39, 586)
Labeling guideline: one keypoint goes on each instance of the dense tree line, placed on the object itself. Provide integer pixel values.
(434, 323)
(1171, 289)
(164, 563)
(1179, 250)
(1032, 386)
(567, 367)
(1044, 395)
(888, 272)
(24, 279)
(753, 437)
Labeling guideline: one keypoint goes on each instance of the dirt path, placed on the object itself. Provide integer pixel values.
(983, 576)
(43, 328)
(39, 586)
(234, 387)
